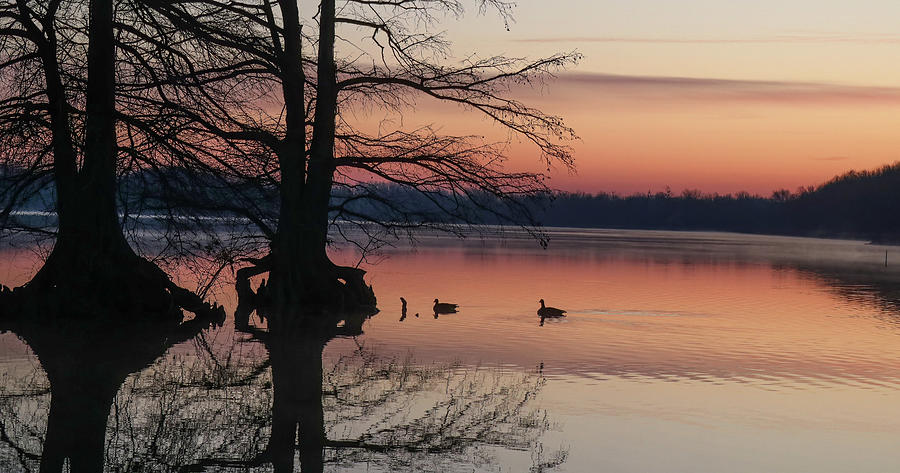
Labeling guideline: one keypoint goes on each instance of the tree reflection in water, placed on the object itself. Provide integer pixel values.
(87, 346)
(233, 409)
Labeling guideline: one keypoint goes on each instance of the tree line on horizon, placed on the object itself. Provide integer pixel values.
(855, 204)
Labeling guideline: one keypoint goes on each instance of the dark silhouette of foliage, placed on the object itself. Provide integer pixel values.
(857, 204)
(276, 95)
(863, 204)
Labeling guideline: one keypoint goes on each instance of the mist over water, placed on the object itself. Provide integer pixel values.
(678, 352)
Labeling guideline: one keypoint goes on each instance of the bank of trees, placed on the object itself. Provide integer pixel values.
(856, 204)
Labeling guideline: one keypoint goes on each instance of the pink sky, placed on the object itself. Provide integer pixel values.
(640, 133)
(720, 96)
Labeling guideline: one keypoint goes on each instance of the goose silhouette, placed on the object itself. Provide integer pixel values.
(444, 307)
(550, 312)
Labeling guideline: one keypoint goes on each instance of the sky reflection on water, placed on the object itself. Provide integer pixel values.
(680, 351)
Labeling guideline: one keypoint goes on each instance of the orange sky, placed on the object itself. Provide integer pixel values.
(640, 133)
(720, 96)
(721, 136)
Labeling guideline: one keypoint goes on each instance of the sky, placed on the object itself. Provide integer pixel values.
(722, 96)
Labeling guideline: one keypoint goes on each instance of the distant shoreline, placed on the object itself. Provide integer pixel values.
(498, 232)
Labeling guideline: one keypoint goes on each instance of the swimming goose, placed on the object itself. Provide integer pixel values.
(550, 311)
(444, 307)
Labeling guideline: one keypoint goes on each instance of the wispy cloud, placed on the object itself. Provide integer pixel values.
(729, 89)
(781, 38)
(830, 158)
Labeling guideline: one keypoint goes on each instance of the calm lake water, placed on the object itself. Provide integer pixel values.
(681, 352)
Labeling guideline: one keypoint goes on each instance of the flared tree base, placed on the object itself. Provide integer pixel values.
(313, 289)
(87, 283)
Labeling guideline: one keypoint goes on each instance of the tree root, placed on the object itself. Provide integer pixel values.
(332, 288)
(122, 284)
(356, 293)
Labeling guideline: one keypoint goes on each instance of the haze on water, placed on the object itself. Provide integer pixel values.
(679, 351)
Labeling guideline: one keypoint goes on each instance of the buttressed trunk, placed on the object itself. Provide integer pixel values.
(88, 222)
(91, 261)
(301, 269)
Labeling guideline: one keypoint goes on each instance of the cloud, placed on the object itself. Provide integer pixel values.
(783, 38)
(695, 88)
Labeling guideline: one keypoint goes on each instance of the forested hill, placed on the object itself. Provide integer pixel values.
(858, 204)
(865, 203)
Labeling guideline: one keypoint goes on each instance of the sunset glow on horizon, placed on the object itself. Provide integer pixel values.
(700, 94)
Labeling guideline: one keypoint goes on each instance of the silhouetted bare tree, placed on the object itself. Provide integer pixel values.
(68, 70)
(280, 97)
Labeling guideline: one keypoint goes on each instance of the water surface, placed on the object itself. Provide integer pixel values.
(680, 352)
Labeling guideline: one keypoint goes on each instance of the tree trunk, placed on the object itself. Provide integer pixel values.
(321, 158)
(96, 184)
(339, 286)
(64, 161)
(91, 255)
(301, 271)
(89, 239)
(286, 285)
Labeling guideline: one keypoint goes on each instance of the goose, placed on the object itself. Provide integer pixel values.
(550, 311)
(444, 307)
